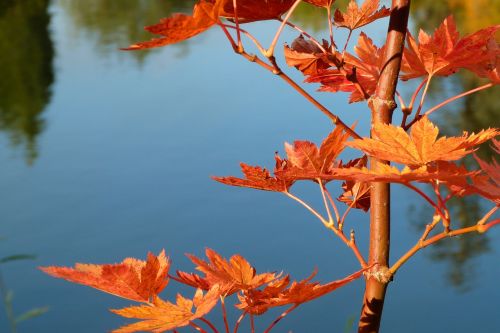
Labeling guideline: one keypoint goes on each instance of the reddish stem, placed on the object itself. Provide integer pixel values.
(196, 327)
(454, 98)
(280, 317)
(224, 313)
(238, 322)
(209, 324)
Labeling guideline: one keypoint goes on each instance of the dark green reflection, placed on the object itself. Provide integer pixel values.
(26, 70)
(314, 19)
(118, 23)
(473, 113)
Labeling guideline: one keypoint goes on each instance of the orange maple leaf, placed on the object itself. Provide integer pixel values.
(232, 276)
(445, 172)
(367, 69)
(490, 66)
(356, 17)
(304, 157)
(486, 184)
(180, 27)
(356, 194)
(259, 178)
(444, 52)
(306, 56)
(131, 279)
(162, 316)
(392, 143)
(297, 293)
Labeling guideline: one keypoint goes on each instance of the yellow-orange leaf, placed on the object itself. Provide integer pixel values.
(132, 279)
(162, 316)
(232, 276)
(392, 143)
(356, 17)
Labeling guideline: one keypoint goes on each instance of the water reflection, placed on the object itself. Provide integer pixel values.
(473, 113)
(7, 297)
(26, 70)
(115, 24)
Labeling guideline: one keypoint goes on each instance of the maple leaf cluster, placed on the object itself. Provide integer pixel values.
(425, 157)
(142, 281)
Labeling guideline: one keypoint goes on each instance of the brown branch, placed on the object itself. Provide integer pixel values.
(382, 106)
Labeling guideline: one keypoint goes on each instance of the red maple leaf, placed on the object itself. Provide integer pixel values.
(366, 68)
(444, 52)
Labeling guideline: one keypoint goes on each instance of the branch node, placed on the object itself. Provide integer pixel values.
(380, 273)
(376, 102)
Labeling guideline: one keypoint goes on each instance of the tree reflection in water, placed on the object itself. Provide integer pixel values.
(114, 24)
(26, 70)
(473, 113)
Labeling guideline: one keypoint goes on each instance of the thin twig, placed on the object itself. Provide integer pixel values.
(449, 100)
(224, 313)
(280, 317)
(238, 322)
(325, 202)
(196, 327)
(334, 205)
(480, 228)
(309, 208)
(305, 33)
(270, 50)
(209, 324)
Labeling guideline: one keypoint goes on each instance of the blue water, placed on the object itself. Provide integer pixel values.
(123, 168)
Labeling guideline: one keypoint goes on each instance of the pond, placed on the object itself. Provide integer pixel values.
(108, 154)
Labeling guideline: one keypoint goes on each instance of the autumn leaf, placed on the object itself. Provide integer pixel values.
(232, 276)
(356, 17)
(251, 10)
(258, 178)
(392, 143)
(356, 194)
(366, 68)
(490, 66)
(445, 172)
(306, 56)
(180, 27)
(486, 184)
(162, 316)
(321, 3)
(131, 279)
(296, 293)
(444, 52)
(303, 157)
